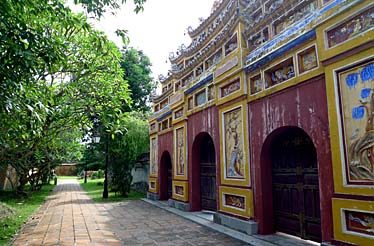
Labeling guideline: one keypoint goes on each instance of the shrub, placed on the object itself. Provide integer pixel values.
(94, 175)
(100, 174)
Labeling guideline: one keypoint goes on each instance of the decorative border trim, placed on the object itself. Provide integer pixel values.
(245, 181)
(264, 72)
(248, 210)
(355, 13)
(297, 60)
(164, 115)
(344, 222)
(155, 182)
(220, 96)
(155, 153)
(335, 127)
(281, 51)
(260, 52)
(340, 231)
(344, 161)
(184, 197)
(176, 128)
(199, 84)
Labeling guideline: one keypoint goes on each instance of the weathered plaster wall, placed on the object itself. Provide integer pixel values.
(205, 121)
(303, 106)
(165, 146)
(165, 143)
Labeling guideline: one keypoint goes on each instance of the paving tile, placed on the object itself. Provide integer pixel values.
(70, 217)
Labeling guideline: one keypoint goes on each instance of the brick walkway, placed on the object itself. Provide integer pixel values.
(70, 217)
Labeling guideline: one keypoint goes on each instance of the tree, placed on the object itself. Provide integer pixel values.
(125, 149)
(57, 72)
(137, 72)
(131, 139)
(99, 7)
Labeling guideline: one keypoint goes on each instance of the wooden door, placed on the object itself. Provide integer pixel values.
(170, 178)
(295, 186)
(208, 194)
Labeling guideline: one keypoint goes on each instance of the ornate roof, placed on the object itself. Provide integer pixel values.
(204, 33)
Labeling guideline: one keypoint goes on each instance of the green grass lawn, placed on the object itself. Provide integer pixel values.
(95, 191)
(15, 210)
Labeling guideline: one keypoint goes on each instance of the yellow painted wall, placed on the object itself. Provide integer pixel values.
(337, 149)
(341, 232)
(153, 161)
(226, 178)
(153, 185)
(184, 185)
(247, 195)
(326, 52)
(299, 77)
(180, 153)
(334, 73)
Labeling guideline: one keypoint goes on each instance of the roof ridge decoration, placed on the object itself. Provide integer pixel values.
(222, 16)
(208, 47)
(216, 8)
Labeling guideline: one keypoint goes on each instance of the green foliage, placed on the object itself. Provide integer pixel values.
(136, 66)
(18, 211)
(125, 149)
(131, 138)
(99, 7)
(99, 174)
(57, 72)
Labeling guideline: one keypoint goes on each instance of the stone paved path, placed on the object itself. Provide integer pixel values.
(70, 217)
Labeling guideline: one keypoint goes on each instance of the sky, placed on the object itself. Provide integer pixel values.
(159, 29)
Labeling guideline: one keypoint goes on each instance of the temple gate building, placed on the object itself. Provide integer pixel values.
(267, 118)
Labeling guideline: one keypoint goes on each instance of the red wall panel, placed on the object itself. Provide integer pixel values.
(205, 121)
(303, 106)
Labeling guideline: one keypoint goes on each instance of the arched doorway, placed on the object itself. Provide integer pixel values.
(208, 193)
(204, 174)
(295, 189)
(165, 176)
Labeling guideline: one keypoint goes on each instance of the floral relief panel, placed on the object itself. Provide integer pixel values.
(233, 147)
(359, 222)
(153, 164)
(357, 106)
(180, 153)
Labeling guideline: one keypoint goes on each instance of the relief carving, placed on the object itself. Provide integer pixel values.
(235, 201)
(357, 102)
(234, 154)
(360, 222)
(351, 28)
(180, 161)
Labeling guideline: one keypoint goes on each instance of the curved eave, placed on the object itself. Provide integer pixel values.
(212, 49)
(167, 79)
(163, 95)
(184, 55)
(209, 20)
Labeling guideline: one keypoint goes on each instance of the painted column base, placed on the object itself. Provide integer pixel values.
(184, 206)
(153, 196)
(249, 227)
